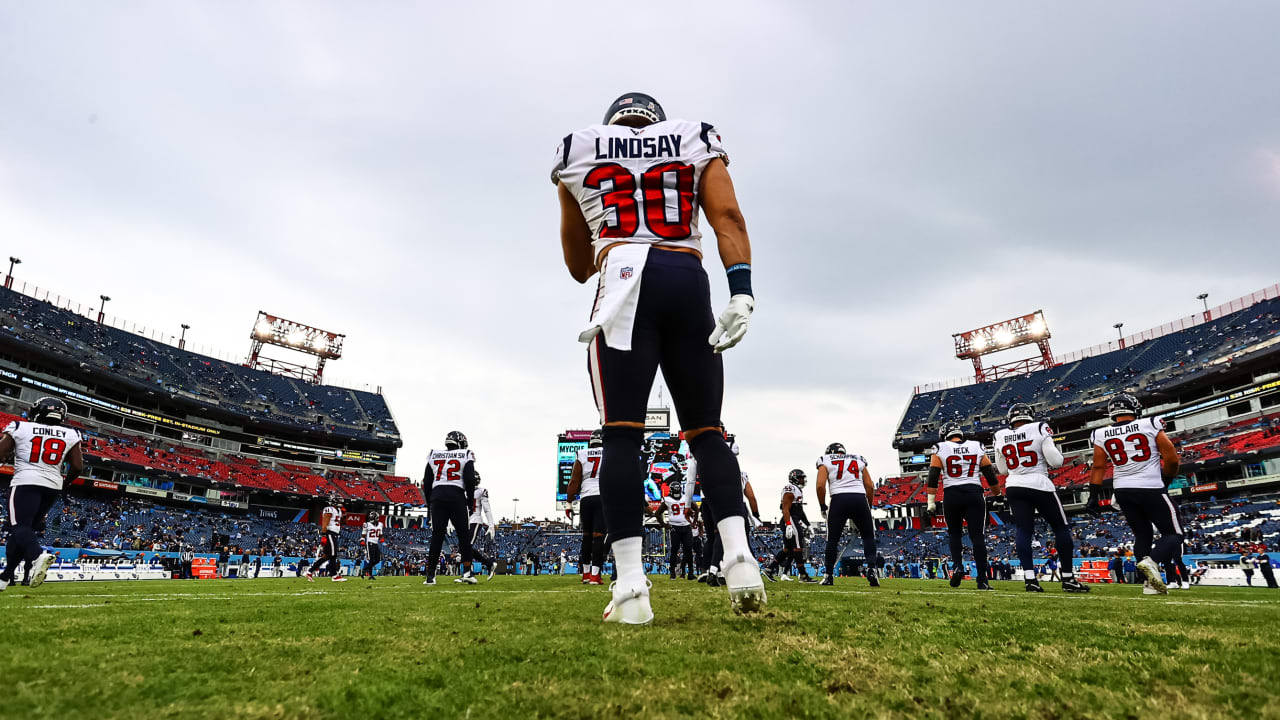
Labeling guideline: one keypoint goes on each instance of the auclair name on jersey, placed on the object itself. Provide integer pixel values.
(638, 147)
(1118, 430)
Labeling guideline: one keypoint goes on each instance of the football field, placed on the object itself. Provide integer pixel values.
(521, 647)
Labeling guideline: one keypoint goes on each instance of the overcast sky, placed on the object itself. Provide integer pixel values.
(380, 169)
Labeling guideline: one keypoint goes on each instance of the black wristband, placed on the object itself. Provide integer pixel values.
(739, 277)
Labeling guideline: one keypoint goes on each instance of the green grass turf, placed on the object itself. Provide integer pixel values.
(535, 647)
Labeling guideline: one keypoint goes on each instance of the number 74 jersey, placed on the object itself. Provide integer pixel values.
(639, 185)
(39, 451)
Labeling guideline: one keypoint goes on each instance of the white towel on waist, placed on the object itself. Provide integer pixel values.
(617, 296)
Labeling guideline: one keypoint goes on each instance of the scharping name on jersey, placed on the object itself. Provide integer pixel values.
(590, 459)
(39, 451)
(844, 472)
(446, 466)
(1131, 447)
(960, 461)
(639, 185)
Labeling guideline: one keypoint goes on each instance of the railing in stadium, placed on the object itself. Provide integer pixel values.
(1190, 321)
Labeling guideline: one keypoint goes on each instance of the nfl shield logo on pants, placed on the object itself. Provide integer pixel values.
(624, 273)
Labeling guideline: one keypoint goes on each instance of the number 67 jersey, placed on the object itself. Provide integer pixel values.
(39, 451)
(1131, 448)
(639, 185)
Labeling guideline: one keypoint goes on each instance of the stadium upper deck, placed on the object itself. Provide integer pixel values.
(1156, 369)
(214, 387)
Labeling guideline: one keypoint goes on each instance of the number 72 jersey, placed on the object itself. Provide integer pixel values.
(39, 451)
(1131, 447)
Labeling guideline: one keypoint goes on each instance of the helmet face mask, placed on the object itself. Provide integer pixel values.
(455, 441)
(796, 477)
(952, 429)
(635, 109)
(1123, 404)
(1018, 412)
(835, 449)
(49, 411)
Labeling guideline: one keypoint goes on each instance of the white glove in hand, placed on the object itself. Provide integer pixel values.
(492, 532)
(933, 505)
(733, 322)
(791, 531)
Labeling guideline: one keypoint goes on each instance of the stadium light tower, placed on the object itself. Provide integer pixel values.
(1204, 298)
(8, 279)
(102, 307)
(1029, 329)
(274, 330)
(182, 341)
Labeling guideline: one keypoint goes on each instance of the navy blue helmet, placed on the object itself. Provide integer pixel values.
(49, 411)
(1018, 412)
(796, 477)
(634, 109)
(596, 440)
(455, 441)
(1123, 404)
(835, 449)
(952, 429)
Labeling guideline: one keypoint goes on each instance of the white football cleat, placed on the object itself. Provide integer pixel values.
(629, 605)
(746, 586)
(40, 568)
(1184, 586)
(467, 578)
(1149, 589)
(1151, 572)
(429, 581)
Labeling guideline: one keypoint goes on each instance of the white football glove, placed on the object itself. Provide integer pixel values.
(933, 505)
(733, 322)
(791, 531)
(492, 532)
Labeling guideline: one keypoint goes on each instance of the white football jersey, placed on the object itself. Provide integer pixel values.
(481, 509)
(1020, 451)
(844, 473)
(39, 451)
(590, 458)
(677, 511)
(1132, 450)
(446, 467)
(960, 462)
(335, 519)
(639, 185)
(794, 490)
(373, 532)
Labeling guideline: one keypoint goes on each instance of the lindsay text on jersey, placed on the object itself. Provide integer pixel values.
(649, 147)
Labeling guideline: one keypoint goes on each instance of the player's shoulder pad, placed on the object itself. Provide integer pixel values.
(11, 428)
(1157, 423)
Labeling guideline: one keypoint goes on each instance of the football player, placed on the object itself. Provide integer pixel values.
(1025, 453)
(585, 480)
(450, 484)
(1145, 462)
(795, 527)
(676, 507)
(630, 190)
(327, 558)
(481, 524)
(371, 535)
(852, 494)
(961, 462)
(39, 447)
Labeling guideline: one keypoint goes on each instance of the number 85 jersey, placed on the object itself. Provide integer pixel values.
(1131, 447)
(639, 185)
(39, 451)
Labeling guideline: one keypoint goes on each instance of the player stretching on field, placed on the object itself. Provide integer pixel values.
(1145, 462)
(450, 485)
(1025, 452)
(331, 524)
(796, 527)
(852, 493)
(371, 534)
(38, 448)
(629, 191)
(585, 479)
(481, 522)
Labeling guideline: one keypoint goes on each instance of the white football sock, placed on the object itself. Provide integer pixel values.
(733, 534)
(626, 555)
(1029, 574)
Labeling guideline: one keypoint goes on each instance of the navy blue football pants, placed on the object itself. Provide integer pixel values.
(966, 504)
(1024, 503)
(845, 507)
(1144, 508)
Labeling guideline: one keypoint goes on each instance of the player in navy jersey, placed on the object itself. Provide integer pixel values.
(630, 189)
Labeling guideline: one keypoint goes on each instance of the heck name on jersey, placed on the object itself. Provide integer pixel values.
(39, 451)
(960, 461)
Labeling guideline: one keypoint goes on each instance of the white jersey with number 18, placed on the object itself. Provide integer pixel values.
(39, 451)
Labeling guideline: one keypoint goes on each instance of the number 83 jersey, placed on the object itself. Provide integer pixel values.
(39, 451)
(1131, 448)
(639, 185)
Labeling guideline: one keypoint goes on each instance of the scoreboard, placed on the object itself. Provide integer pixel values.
(661, 451)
